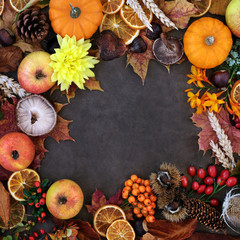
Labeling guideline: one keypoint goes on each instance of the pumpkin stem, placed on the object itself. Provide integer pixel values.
(209, 40)
(75, 11)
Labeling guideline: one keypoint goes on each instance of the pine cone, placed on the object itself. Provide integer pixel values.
(204, 213)
(32, 25)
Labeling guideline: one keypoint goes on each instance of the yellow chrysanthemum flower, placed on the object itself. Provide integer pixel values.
(71, 62)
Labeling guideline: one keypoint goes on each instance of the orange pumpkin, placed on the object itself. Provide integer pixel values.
(207, 42)
(75, 17)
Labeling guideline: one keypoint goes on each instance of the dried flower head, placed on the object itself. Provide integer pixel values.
(71, 62)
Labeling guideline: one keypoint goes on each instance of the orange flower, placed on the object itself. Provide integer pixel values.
(193, 99)
(234, 109)
(198, 76)
(213, 102)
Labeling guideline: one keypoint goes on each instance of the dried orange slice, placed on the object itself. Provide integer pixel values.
(18, 5)
(202, 6)
(105, 216)
(235, 92)
(112, 6)
(17, 211)
(1, 7)
(121, 230)
(131, 18)
(116, 24)
(20, 180)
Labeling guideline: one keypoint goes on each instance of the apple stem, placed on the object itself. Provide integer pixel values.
(15, 154)
(62, 200)
(39, 74)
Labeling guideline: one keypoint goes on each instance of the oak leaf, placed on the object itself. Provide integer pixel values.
(179, 11)
(207, 134)
(163, 229)
(219, 7)
(99, 200)
(10, 58)
(210, 236)
(9, 124)
(140, 61)
(4, 204)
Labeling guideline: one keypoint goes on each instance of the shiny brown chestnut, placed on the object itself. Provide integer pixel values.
(138, 45)
(155, 33)
(220, 78)
(7, 38)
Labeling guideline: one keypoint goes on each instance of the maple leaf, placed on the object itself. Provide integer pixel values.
(99, 200)
(207, 134)
(9, 124)
(4, 204)
(140, 61)
(179, 11)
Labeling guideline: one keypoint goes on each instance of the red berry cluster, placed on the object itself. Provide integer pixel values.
(237, 122)
(35, 235)
(36, 198)
(208, 185)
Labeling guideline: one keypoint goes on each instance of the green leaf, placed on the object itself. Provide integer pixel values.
(7, 237)
(1, 115)
(20, 225)
(23, 202)
(44, 182)
(44, 2)
(33, 189)
(26, 193)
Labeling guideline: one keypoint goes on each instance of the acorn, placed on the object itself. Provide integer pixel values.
(7, 38)
(153, 35)
(138, 45)
(220, 78)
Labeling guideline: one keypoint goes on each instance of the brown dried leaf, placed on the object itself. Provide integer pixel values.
(7, 18)
(167, 230)
(219, 7)
(179, 11)
(93, 84)
(140, 61)
(149, 236)
(27, 47)
(209, 236)
(10, 58)
(4, 204)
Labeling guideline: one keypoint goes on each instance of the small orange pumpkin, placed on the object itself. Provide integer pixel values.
(75, 17)
(207, 42)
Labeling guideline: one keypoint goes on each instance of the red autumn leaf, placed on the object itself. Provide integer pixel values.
(210, 236)
(207, 134)
(93, 84)
(4, 204)
(99, 200)
(167, 230)
(140, 61)
(85, 231)
(179, 11)
(9, 124)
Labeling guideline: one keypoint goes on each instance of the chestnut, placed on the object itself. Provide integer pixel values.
(155, 33)
(174, 206)
(164, 178)
(7, 38)
(138, 45)
(220, 78)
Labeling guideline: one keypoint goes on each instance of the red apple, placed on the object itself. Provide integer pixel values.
(16, 151)
(64, 199)
(34, 72)
(232, 16)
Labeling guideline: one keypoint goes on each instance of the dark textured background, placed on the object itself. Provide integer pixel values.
(129, 128)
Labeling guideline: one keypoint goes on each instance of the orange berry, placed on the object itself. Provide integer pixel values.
(139, 215)
(139, 180)
(125, 183)
(129, 182)
(141, 198)
(148, 189)
(125, 192)
(146, 195)
(151, 219)
(142, 183)
(144, 212)
(146, 182)
(131, 199)
(127, 188)
(147, 218)
(134, 204)
(124, 196)
(140, 205)
(151, 213)
(142, 189)
(135, 185)
(150, 208)
(147, 202)
(153, 198)
(153, 204)
(135, 192)
(134, 178)
(136, 210)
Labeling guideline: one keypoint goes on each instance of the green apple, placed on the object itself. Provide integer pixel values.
(232, 16)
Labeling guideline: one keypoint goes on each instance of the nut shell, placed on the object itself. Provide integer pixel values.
(169, 53)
